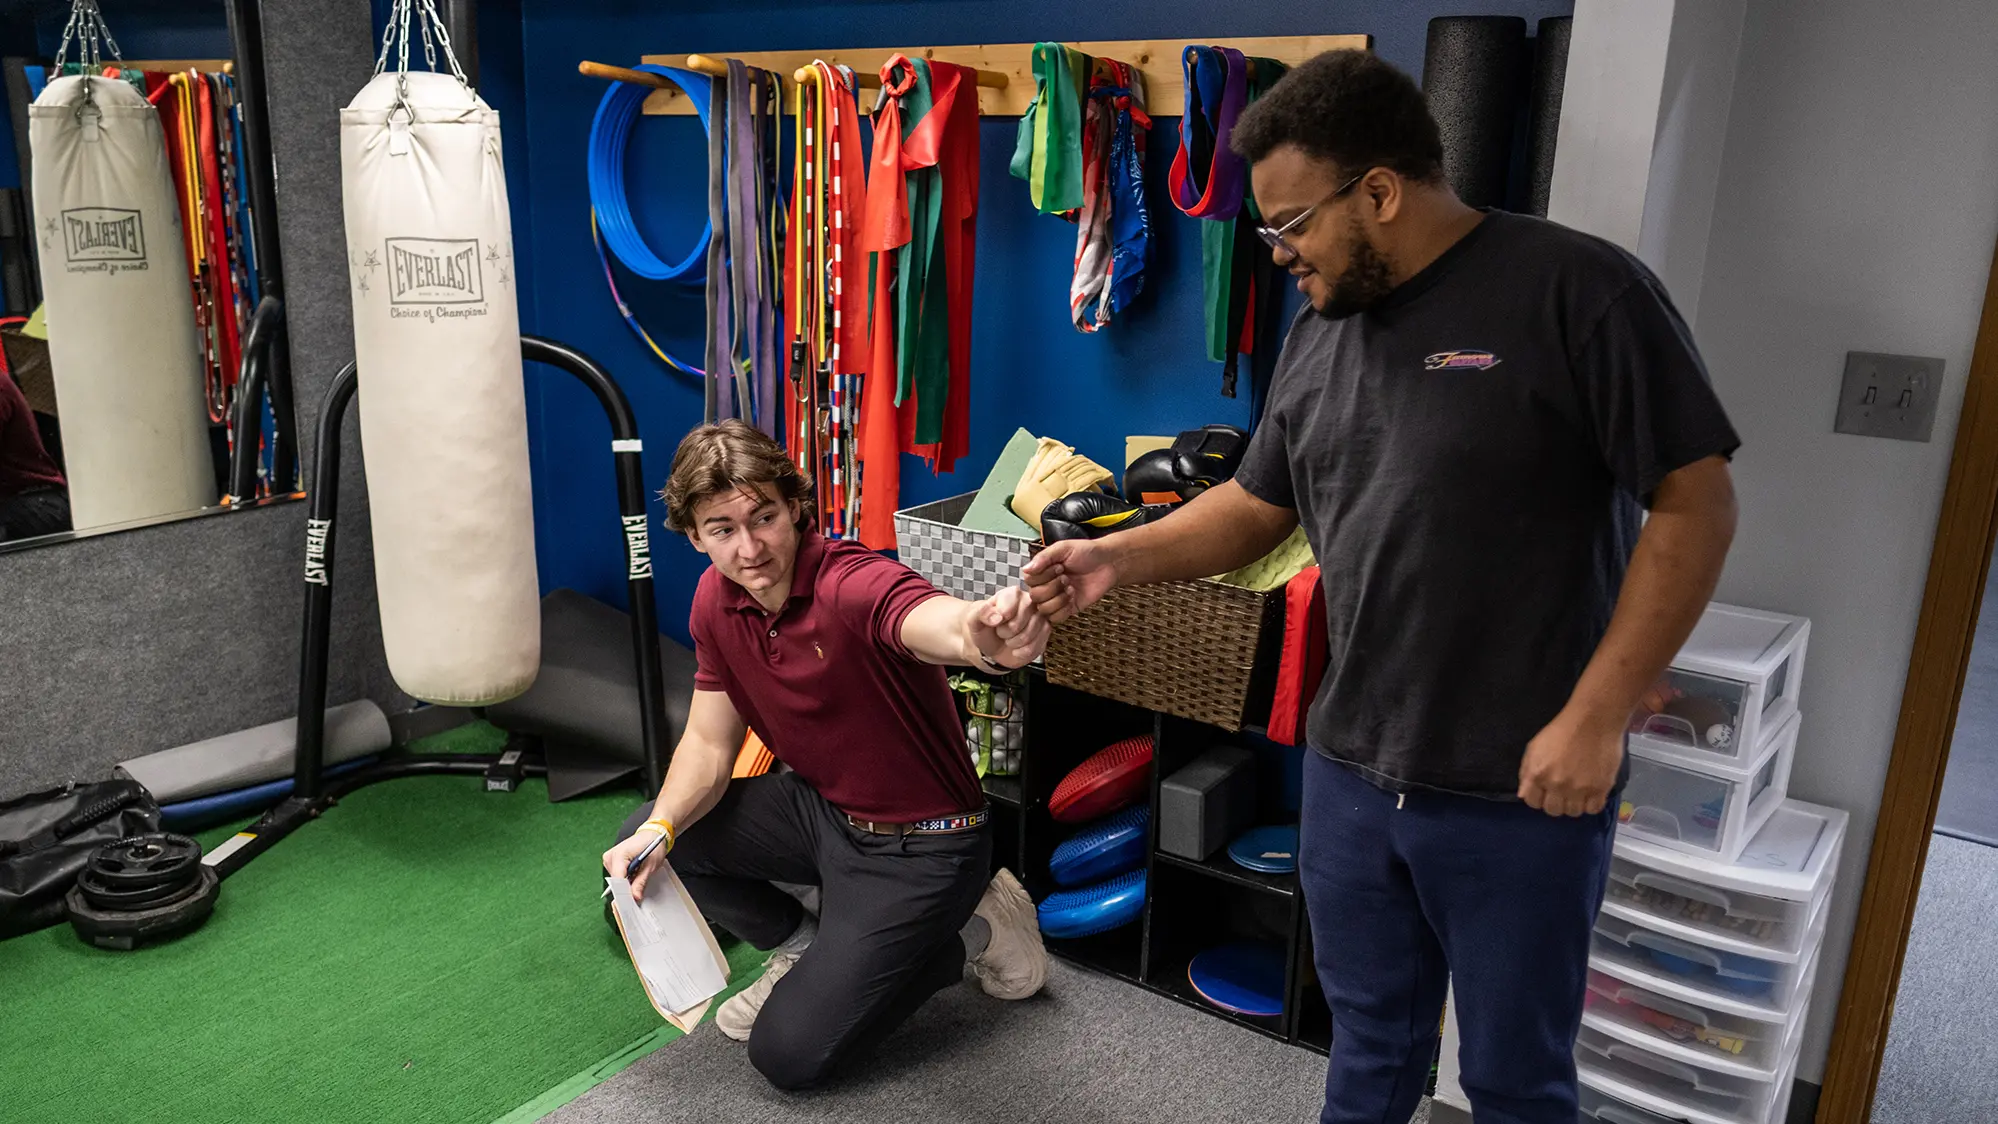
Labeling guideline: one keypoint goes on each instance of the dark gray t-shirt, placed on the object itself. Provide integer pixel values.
(1469, 459)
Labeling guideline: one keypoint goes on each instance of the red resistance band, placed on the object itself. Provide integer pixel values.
(1303, 662)
(947, 138)
(826, 311)
(212, 280)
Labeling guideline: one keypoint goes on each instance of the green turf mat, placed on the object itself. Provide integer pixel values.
(425, 952)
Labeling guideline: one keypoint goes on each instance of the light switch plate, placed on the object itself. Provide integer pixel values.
(1889, 395)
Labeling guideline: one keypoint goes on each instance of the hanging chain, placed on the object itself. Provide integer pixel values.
(92, 36)
(430, 29)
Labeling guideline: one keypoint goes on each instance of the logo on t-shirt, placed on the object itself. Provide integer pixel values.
(1460, 360)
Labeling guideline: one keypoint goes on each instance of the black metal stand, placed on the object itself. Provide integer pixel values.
(246, 32)
(311, 793)
(264, 368)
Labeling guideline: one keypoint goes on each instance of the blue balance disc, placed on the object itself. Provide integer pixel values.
(1105, 848)
(1245, 977)
(1271, 850)
(1094, 909)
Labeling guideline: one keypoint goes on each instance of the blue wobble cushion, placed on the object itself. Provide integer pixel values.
(1245, 977)
(1094, 909)
(1105, 848)
(1269, 850)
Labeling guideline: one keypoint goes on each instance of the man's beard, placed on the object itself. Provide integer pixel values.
(1365, 281)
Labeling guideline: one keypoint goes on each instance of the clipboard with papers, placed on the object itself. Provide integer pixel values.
(678, 961)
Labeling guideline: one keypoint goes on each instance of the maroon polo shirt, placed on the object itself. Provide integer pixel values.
(829, 686)
(24, 463)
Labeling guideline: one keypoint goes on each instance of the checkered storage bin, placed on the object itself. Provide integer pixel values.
(973, 565)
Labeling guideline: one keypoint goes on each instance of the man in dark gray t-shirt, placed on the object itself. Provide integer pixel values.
(1469, 421)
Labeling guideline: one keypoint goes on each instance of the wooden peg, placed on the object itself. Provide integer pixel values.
(704, 64)
(806, 75)
(625, 74)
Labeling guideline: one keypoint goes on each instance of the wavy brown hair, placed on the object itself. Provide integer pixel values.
(732, 456)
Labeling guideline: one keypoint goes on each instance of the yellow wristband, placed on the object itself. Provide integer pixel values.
(663, 827)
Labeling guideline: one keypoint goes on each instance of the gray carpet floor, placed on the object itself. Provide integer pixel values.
(1942, 1049)
(1969, 807)
(1088, 1050)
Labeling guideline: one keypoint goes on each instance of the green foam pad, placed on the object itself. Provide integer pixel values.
(1275, 568)
(989, 511)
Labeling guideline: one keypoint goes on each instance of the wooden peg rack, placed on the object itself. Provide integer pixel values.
(1157, 59)
(173, 66)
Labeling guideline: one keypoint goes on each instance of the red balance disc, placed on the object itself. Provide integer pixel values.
(1112, 779)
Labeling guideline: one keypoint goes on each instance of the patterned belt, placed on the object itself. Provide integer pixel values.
(947, 825)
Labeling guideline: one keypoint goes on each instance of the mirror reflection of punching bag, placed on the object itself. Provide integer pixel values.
(123, 352)
(443, 408)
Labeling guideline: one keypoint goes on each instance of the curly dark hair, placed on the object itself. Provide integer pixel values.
(731, 456)
(1349, 107)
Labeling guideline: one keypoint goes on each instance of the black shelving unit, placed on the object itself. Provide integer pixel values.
(1003, 792)
(1191, 904)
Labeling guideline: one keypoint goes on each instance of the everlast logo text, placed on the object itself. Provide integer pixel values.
(103, 234)
(434, 271)
(637, 546)
(315, 549)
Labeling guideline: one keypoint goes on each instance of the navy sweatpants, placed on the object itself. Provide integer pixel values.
(1408, 894)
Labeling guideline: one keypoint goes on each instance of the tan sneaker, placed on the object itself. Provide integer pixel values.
(1014, 964)
(738, 1015)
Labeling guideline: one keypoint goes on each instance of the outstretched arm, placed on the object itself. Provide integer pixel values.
(1222, 529)
(998, 634)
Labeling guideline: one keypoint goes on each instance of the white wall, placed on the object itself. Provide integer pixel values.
(1696, 96)
(1609, 116)
(1857, 208)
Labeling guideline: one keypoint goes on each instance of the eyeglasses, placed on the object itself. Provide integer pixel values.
(1273, 237)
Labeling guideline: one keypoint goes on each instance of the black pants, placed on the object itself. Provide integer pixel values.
(38, 511)
(888, 925)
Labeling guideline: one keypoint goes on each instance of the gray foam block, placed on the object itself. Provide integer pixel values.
(1207, 803)
(255, 756)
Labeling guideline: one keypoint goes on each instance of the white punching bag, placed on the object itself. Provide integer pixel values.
(443, 407)
(123, 352)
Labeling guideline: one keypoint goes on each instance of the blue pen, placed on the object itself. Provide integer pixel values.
(639, 858)
(632, 867)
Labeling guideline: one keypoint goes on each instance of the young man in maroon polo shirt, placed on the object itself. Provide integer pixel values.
(34, 497)
(834, 655)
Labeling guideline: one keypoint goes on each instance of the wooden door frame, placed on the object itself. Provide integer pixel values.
(1943, 635)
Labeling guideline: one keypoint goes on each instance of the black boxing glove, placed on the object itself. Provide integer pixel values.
(1204, 457)
(1151, 479)
(1091, 515)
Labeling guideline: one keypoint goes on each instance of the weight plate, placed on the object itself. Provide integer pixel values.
(139, 897)
(128, 929)
(142, 861)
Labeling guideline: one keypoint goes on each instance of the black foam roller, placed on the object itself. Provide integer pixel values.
(1474, 75)
(1550, 71)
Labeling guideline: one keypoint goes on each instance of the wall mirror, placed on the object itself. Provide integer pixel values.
(146, 376)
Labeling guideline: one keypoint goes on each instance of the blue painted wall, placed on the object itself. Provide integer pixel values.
(1144, 374)
(145, 29)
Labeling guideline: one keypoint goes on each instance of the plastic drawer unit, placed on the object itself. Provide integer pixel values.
(1704, 807)
(1762, 904)
(1708, 978)
(1731, 686)
(1677, 1090)
(1684, 1032)
(1639, 1105)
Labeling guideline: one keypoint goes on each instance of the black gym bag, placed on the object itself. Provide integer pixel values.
(46, 838)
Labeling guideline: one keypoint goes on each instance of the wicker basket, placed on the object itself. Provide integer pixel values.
(1197, 649)
(973, 565)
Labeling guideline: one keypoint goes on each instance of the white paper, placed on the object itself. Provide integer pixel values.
(669, 943)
